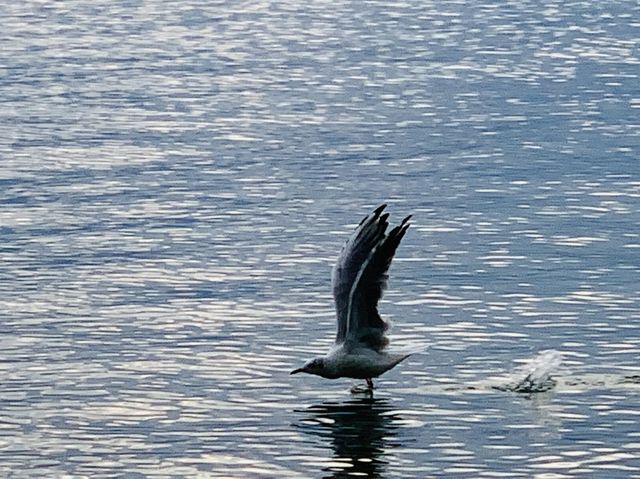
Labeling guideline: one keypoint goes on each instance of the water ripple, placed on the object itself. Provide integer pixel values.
(175, 185)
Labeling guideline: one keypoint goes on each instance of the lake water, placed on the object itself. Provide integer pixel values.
(177, 178)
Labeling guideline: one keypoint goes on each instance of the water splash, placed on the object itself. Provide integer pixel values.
(534, 376)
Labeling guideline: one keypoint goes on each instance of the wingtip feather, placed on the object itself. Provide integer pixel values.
(379, 209)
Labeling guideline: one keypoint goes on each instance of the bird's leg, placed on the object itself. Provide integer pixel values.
(369, 384)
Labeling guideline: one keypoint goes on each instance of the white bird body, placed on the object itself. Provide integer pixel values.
(358, 279)
(358, 363)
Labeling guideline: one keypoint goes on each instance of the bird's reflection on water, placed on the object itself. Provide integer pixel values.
(360, 432)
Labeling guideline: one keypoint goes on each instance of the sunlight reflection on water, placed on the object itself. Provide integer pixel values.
(176, 183)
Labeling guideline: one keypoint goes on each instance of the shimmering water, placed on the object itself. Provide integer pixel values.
(176, 179)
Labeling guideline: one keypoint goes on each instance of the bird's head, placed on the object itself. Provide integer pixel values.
(314, 366)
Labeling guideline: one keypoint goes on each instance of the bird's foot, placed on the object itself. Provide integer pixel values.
(358, 389)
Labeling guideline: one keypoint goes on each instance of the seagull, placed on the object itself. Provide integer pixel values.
(358, 280)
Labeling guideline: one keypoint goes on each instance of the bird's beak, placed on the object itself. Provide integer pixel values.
(296, 371)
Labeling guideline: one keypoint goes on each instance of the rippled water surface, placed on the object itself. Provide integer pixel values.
(177, 178)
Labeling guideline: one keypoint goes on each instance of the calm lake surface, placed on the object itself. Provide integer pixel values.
(177, 178)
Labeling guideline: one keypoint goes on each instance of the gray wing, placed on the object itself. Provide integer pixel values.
(360, 277)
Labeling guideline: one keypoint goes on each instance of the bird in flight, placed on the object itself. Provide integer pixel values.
(358, 280)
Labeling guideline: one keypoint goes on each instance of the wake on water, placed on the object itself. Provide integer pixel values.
(540, 374)
(533, 377)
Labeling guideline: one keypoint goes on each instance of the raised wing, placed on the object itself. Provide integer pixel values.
(360, 277)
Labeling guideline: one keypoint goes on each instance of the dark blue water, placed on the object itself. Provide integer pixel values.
(176, 181)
